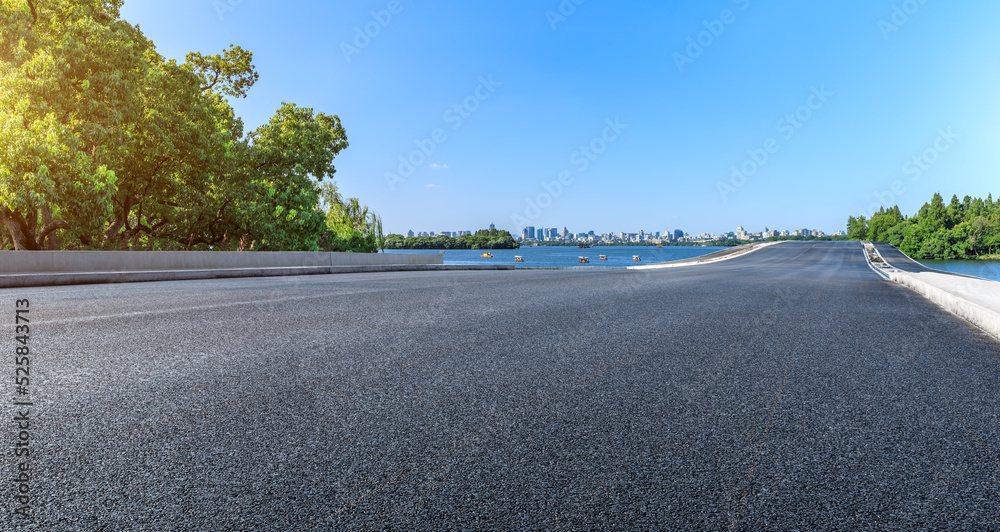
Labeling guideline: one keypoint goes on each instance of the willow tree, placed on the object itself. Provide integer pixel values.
(68, 70)
(350, 226)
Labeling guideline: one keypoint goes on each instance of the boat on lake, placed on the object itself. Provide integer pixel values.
(636, 258)
(487, 255)
(584, 260)
(603, 257)
(518, 258)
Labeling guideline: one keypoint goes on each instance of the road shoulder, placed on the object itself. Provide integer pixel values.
(970, 298)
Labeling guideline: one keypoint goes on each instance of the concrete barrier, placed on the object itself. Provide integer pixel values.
(50, 268)
(129, 261)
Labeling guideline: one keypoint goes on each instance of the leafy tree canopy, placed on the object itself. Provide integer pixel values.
(965, 229)
(105, 144)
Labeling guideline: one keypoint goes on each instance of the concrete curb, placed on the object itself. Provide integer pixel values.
(869, 250)
(22, 280)
(986, 319)
(689, 262)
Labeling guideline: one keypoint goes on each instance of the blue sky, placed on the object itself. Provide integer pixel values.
(628, 115)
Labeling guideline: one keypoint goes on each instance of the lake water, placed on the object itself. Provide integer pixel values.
(621, 256)
(986, 269)
(565, 257)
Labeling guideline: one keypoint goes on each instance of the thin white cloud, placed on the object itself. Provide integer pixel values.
(432, 185)
(439, 166)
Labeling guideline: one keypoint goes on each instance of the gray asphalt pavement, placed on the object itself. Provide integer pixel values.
(901, 261)
(788, 389)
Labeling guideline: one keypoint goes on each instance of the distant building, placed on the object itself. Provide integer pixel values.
(529, 232)
(678, 234)
(492, 227)
(409, 234)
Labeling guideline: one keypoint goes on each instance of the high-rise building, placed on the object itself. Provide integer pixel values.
(530, 232)
(409, 233)
(565, 232)
(492, 227)
(678, 234)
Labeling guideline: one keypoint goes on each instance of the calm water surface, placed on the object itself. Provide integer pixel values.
(567, 257)
(987, 269)
(562, 257)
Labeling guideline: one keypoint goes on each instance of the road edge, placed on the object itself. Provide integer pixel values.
(689, 262)
(985, 319)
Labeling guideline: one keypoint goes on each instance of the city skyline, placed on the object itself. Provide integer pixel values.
(532, 233)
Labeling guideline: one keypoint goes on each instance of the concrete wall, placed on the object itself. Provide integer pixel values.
(131, 261)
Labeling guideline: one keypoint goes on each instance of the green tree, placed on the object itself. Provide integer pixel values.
(350, 226)
(176, 172)
(277, 200)
(897, 234)
(857, 228)
(882, 222)
(67, 76)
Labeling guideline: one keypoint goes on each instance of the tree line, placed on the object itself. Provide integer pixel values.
(966, 229)
(106, 144)
(482, 239)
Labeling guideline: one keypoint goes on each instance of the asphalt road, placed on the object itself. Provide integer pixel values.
(789, 388)
(901, 261)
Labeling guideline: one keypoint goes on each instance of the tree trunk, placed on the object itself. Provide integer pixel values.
(112, 232)
(48, 231)
(18, 229)
(51, 236)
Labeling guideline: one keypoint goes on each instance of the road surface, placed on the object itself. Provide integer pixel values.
(789, 388)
